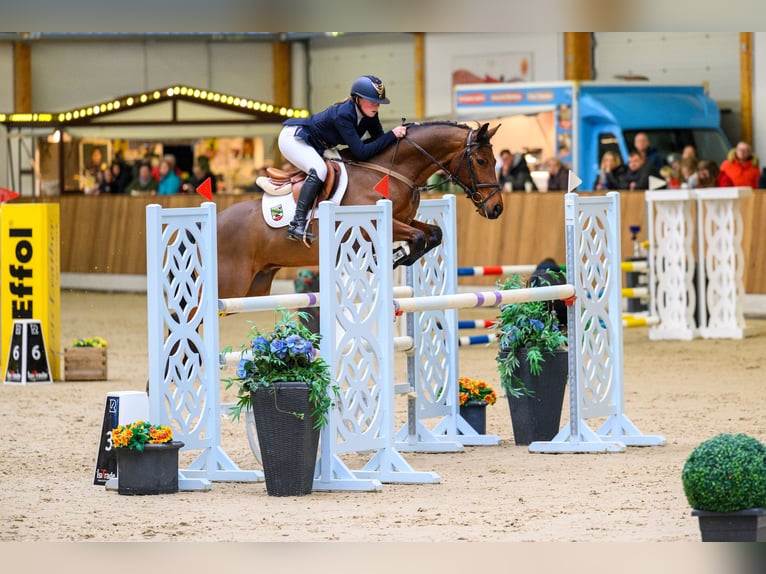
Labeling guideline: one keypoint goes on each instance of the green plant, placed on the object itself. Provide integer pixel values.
(89, 342)
(138, 434)
(473, 390)
(532, 327)
(726, 473)
(288, 353)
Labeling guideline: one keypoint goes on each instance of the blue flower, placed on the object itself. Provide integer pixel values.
(279, 348)
(260, 345)
(242, 368)
(294, 343)
(537, 324)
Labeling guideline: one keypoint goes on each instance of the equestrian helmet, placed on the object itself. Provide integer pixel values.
(370, 88)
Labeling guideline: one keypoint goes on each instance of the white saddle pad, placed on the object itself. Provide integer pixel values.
(279, 210)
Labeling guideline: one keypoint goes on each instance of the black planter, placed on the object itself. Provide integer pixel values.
(538, 417)
(153, 471)
(288, 443)
(741, 526)
(475, 414)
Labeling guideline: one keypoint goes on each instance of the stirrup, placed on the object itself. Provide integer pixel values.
(296, 234)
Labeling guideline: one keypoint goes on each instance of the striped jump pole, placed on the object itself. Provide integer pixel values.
(477, 324)
(287, 301)
(477, 340)
(483, 298)
(483, 270)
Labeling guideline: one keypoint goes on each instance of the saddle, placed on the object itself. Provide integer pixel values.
(280, 182)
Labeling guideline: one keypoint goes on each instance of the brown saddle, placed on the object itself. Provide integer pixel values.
(279, 178)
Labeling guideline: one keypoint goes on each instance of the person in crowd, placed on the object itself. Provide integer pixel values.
(642, 145)
(171, 159)
(689, 151)
(610, 173)
(107, 185)
(303, 140)
(689, 172)
(169, 183)
(144, 182)
(741, 166)
(638, 172)
(709, 175)
(514, 174)
(558, 175)
(673, 181)
(200, 172)
(120, 176)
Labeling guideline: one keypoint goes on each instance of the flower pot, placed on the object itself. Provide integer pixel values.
(538, 417)
(475, 414)
(288, 443)
(153, 471)
(740, 526)
(85, 364)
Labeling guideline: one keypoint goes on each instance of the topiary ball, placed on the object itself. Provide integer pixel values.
(726, 473)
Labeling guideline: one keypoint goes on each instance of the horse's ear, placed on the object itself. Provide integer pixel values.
(485, 134)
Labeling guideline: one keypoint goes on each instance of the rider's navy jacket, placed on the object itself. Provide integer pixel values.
(337, 125)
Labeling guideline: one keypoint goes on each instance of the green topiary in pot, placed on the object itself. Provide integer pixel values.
(726, 473)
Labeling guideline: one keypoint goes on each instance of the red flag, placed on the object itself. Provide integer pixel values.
(7, 195)
(382, 186)
(205, 189)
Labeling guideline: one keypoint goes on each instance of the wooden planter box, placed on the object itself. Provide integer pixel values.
(85, 364)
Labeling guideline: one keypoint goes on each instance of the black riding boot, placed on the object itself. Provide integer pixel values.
(311, 188)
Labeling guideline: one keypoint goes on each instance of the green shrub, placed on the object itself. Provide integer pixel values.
(726, 473)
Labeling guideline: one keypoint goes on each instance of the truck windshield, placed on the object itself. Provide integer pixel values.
(710, 144)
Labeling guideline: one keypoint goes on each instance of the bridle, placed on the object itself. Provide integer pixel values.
(473, 192)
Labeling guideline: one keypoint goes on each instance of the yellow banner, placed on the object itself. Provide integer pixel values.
(29, 274)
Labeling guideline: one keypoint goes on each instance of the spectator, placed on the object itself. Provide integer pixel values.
(514, 172)
(639, 170)
(144, 182)
(689, 151)
(120, 176)
(689, 172)
(171, 159)
(107, 185)
(558, 175)
(708, 175)
(673, 181)
(169, 183)
(610, 173)
(741, 166)
(642, 145)
(200, 172)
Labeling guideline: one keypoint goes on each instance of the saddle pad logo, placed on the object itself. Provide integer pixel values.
(276, 212)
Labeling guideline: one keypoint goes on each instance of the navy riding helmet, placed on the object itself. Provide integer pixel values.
(370, 88)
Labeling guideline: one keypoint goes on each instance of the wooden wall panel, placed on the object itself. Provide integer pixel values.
(106, 234)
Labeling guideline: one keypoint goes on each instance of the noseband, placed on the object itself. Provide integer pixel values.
(473, 192)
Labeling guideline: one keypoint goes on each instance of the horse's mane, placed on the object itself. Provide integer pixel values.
(420, 125)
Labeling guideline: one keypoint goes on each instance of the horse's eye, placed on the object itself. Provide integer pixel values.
(481, 161)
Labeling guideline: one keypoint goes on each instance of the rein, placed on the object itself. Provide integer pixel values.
(473, 191)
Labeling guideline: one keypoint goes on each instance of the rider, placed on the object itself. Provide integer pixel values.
(303, 140)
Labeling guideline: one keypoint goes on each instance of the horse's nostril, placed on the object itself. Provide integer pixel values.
(498, 210)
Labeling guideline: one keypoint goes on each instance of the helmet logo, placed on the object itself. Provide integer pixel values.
(379, 87)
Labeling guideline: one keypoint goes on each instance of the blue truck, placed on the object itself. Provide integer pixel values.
(578, 121)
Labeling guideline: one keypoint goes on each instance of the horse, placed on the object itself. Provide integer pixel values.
(250, 252)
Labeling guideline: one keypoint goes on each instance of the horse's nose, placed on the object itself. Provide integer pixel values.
(497, 211)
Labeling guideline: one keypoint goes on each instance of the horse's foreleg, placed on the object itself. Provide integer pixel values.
(418, 236)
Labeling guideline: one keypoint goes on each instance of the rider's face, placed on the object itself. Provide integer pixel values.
(369, 109)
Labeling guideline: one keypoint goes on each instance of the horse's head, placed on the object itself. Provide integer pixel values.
(476, 174)
(465, 155)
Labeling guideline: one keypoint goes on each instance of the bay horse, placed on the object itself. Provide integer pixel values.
(250, 252)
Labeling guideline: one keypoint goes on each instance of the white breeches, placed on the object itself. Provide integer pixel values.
(299, 153)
